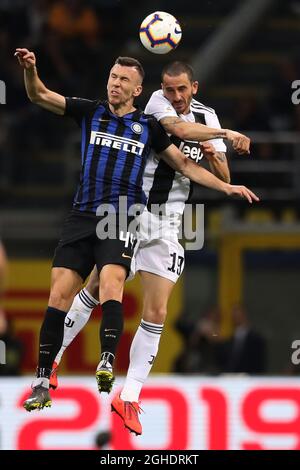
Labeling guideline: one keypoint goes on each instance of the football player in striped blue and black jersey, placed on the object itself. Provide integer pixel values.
(117, 139)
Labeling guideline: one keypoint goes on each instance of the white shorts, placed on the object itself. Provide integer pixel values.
(158, 250)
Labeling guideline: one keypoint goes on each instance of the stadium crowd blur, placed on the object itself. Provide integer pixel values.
(206, 352)
(76, 42)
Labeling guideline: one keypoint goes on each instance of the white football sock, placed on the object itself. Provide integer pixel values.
(78, 315)
(143, 351)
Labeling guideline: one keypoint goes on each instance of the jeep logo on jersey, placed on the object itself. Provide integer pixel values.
(137, 128)
(191, 151)
(116, 142)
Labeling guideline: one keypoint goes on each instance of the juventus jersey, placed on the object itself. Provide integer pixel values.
(161, 183)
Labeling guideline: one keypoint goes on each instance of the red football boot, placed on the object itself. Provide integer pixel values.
(129, 413)
(53, 377)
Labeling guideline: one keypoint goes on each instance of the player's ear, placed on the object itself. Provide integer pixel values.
(138, 90)
(195, 86)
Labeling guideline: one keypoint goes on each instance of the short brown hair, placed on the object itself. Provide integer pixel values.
(131, 62)
(177, 68)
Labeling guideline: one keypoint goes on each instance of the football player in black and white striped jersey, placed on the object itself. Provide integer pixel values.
(159, 258)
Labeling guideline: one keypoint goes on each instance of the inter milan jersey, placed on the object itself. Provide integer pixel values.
(114, 151)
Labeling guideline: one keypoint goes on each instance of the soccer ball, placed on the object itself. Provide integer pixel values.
(160, 32)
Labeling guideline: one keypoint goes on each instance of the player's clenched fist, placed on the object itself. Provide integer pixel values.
(26, 58)
(208, 150)
(240, 142)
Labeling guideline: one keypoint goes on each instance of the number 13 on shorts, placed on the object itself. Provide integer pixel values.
(177, 263)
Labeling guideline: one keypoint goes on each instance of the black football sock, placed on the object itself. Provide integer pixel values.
(111, 327)
(51, 339)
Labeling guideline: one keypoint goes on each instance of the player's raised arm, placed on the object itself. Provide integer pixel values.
(200, 175)
(196, 131)
(37, 92)
(191, 130)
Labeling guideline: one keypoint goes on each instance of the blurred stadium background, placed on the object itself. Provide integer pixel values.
(236, 308)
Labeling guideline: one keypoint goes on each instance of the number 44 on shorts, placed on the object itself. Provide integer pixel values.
(127, 237)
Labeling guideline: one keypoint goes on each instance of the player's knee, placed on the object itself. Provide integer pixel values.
(155, 315)
(111, 288)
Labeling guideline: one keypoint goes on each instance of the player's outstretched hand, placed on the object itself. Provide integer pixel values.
(25, 57)
(240, 142)
(242, 192)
